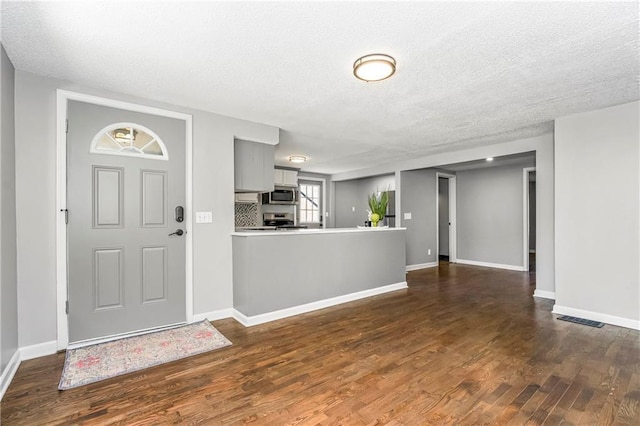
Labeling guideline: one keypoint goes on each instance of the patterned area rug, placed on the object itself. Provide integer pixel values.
(105, 360)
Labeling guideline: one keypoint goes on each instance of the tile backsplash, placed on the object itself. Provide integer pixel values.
(247, 215)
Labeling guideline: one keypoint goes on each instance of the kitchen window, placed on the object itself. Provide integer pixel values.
(309, 203)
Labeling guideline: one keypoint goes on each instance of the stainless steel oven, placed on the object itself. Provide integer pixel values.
(281, 221)
(280, 195)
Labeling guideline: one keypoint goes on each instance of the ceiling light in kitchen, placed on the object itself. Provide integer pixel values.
(374, 67)
(297, 159)
(489, 158)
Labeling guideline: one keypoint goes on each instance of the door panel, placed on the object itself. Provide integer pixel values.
(108, 205)
(154, 274)
(153, 202)
(125, 272)
(108, 274)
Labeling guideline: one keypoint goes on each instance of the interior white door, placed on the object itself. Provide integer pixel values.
(125, 181)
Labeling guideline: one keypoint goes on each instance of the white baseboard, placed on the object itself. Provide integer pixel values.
(491, 265)
(9, 372)
(242, 318)
(544, 294)
(36, 351)
(421, 266)
(214, 315)
(249, 321)
(596, 316)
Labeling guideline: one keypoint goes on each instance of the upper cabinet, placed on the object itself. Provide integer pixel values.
(253, 166)
(247, 197)
(282, 177)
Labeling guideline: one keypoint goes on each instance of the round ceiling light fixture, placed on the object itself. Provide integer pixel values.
(374, 67)
(297, 159)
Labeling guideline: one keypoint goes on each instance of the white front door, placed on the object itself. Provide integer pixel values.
(125, 188)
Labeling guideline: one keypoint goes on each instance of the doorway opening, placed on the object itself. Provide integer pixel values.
(529, 218)
(446, 217)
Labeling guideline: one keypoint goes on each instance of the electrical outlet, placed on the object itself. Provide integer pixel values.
(429, 252)
(407, 216)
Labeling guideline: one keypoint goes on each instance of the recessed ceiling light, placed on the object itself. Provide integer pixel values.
(374, 67)
(490, 159)
(297, 159)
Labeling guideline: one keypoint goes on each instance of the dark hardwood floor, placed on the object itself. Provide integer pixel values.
(462, 345)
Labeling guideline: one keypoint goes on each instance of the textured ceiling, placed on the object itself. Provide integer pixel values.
(468, 73)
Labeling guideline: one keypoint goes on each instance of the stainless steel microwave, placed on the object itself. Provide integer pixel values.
(281, 195)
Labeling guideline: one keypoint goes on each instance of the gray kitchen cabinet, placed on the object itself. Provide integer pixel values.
(247, 197)
(253, 166)
(285, 177)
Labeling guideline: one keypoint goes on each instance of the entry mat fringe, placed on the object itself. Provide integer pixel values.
(581, 321)
(101, 361)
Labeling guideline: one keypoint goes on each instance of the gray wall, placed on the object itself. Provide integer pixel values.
(418, 195)
(351, 194)
(489, 215)
(213, 190)
(443, 216)
(543, 147)
(8, 280)
(329, 264)
(346, 195)
(597, 213)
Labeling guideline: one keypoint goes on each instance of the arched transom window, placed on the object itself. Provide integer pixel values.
(129, 139)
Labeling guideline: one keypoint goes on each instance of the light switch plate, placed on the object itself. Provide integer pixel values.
(204, 217)
(407, 216)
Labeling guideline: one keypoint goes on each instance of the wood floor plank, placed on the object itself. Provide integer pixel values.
(462, 345)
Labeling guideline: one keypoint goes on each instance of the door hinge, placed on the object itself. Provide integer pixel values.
(66, 216)
(66, 125)
(66, 307)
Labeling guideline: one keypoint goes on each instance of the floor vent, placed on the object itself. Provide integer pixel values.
(582, 321)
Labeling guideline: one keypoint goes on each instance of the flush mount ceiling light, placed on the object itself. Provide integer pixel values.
(297, 159)
(374, 67)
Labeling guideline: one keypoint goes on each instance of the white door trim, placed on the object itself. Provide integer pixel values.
(453, 233)
(525, 216)
(62, 98)
(325, 205)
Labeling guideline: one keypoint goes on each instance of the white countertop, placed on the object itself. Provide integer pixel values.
(312, 231)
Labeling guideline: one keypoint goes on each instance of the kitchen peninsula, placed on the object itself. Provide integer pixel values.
(277, 274)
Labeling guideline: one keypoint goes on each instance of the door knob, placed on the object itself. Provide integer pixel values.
(178, 232)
